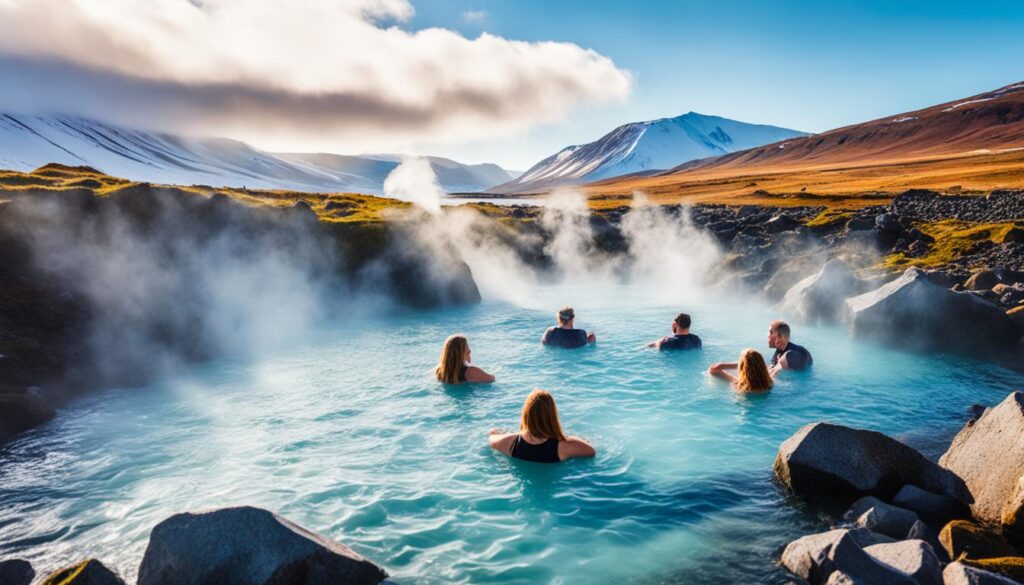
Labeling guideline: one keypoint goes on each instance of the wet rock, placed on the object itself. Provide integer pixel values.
(1014, 235)
(820, 297)
(875, 515)
(823, 459)
(861, 223)
(982, 280)
(808, 557)
(22, 409)
(935, 509)
(888, 223)
(989, 456)
(914, 558)
(89, 572)
(965, 538)
(16, 572)
(960, 574)
(912, 311)
(1016, 316)
(248, 545)
(781, 223)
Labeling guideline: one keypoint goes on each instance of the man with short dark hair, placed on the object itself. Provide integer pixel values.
(565, 335)
(788, 355)
(681, 337)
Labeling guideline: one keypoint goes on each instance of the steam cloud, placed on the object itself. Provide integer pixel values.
(415, 181)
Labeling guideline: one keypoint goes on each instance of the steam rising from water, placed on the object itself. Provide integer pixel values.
(414, 181)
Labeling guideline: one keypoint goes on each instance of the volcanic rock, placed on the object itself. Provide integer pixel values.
(965, 538)
(875, 515)
(911, 557)
(16, 572)
(248, 545)
(89, 572)
(960, 574)
(808, 557)
(820, 297)
(935, 509)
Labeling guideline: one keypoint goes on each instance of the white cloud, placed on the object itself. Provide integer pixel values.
(474, 16)
(307, 74)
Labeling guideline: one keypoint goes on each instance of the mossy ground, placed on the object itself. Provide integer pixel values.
(953, 239)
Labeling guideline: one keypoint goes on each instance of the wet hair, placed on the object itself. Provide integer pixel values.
(453, 359)
(683, 321)
(781, 327)
(540, 416)
(566, 314)
(752, 373)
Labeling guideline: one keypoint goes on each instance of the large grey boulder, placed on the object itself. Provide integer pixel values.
(808, 557)
(820, 297)
(960, 574)
(828, 460)
(88, 572)
(249, 546)
(16, 572)
(875, 515)
(915, 558)
(989, 455)
(935, 509)
(914, 312)
(857, 566)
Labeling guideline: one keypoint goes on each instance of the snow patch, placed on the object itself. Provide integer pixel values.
(902, 119)
(968, 102)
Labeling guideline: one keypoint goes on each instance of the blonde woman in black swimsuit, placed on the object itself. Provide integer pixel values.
(540, 437)
(454, 368)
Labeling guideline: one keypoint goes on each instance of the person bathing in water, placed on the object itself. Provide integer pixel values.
(788, 355)
(681, 337)
(565, 335)
(454, 368)
(540, 437)
(752, 373)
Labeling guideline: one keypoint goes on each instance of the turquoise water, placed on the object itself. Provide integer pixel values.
(349, 435)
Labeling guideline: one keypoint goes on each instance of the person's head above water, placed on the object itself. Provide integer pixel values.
(752, 373)
(540, 416)
(778, 334)
(454, 356)
(681, 324)
(566, 315)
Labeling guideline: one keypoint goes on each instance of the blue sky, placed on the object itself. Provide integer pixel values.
(811, 66)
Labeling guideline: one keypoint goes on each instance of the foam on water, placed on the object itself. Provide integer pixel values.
(350, 436)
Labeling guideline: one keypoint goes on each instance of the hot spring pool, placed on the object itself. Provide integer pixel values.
(349, 435)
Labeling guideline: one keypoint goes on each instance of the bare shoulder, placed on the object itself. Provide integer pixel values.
(575, 447)
(475, 374)
(501, 441)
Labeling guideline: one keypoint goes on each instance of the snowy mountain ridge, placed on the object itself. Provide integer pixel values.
(646, 146)
(28, 142)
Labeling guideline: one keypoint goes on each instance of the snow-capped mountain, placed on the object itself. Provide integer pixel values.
(645, 146)
(28, 142)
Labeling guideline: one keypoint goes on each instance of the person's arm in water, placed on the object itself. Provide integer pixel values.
(591, 338)
(725, 366)
(657, 343)
(475, 374)
(544, 336)
(501, 441)
(719, 371)
(575, 447)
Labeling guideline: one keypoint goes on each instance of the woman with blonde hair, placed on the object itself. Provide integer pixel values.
(540, 437)
(454, 368)
(752, 373)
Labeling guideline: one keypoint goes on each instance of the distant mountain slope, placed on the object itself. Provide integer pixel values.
(989, 120)
(645, 146)
(27, 142)
(971, 144)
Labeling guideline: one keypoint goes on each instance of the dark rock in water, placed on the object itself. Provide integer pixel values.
(826, 460)
(914, 558)
(965, 538)
(921, 531)
(848, 558)
(89, 572)
(808, 557)
(936, 509)
(820, 297)
(982, 280)
(960, 574)
(16, 572)
(989, 455)
(875, 515)
(912, 311)
(22, 409)
(251, 546)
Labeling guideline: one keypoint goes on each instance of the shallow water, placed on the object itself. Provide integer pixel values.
(349, 436)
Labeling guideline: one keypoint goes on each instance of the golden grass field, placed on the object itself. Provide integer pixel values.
(850, 185)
